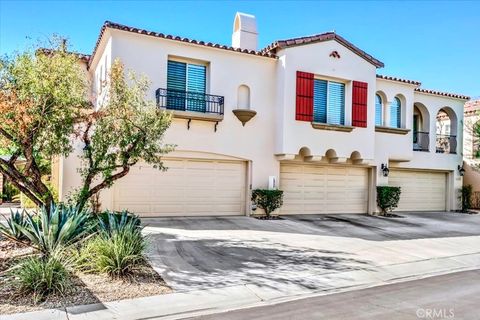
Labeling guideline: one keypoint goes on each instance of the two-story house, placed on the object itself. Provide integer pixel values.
(308, 115)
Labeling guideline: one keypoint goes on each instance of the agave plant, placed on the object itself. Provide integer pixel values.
(110, 221)
(56, 229)
(13, 228)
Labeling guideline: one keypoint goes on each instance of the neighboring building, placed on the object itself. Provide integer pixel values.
(324, 126)
(471, 153)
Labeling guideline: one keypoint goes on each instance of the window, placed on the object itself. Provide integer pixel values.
(328, 102)
(395, 113)
(378, 110)
(186, 84)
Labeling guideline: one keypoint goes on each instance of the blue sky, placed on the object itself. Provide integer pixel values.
(437, 43)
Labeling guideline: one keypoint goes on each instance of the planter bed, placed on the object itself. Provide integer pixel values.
(86, 288)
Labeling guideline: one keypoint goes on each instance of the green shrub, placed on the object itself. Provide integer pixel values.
(466, 193)
(56, 229)
(42, 276)
(388, 198)
(117, 251)
(13, 228)
(9, 192)
(268, 200)
(110, 221)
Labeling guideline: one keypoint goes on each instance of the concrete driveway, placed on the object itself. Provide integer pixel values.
(301, 254)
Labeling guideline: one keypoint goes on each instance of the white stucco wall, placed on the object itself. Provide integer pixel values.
(315, 59)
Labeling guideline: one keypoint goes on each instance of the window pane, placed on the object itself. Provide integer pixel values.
(378, 110)
(196, 85)
(395, 113)
(320, 101)
(336, 103)
(176, 84)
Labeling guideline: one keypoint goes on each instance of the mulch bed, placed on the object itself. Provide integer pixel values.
(268, 218)
(86, 288)
(391, 215)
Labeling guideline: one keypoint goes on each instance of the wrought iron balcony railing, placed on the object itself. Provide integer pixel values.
(421, 141)
(446, 143)
(172, 99)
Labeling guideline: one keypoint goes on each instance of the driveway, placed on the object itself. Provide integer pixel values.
(301, 254)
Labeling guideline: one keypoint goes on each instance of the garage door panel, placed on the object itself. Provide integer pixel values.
(421, 190)
(188, 187)
(310, 189)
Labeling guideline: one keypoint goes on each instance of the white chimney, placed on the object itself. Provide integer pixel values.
(245, 32)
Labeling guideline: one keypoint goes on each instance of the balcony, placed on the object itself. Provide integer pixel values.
(421, 141)
(446, 144)
(191, 105)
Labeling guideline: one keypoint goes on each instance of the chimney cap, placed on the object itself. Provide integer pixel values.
(245, 22)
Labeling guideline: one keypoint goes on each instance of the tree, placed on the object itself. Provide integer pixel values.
(127, 128)
(42, 93)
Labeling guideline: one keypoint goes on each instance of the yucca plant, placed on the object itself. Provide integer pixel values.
(55, 229)
(13, 228)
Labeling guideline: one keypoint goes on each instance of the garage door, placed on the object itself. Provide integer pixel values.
(188, 188)
(310, 189)
(421, 190)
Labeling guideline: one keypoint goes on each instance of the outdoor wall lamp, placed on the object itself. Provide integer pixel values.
(385, 170)
(461, 171)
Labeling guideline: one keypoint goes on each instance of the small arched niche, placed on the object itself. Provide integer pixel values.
(356, 157)
(243, 97)
(331, 155)
(243, 111)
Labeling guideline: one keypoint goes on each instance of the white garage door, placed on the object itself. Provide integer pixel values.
(188, 188)
(421, 190)
(310, 189)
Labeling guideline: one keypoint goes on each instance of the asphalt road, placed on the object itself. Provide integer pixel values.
(453, 296)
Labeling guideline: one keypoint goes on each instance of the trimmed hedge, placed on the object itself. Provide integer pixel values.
(268, 200)
(388, 198)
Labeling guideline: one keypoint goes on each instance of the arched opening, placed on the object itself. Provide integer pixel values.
(236, 23)
(243, 98)
(446, 131)
(421, 127)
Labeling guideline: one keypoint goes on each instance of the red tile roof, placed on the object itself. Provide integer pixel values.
(445, 94)
(472, 107)
(280, 44)
(417, 83)
(81, 56)
(117, 26)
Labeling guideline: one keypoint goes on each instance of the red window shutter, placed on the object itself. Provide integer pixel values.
(359, 104)
(304, 106)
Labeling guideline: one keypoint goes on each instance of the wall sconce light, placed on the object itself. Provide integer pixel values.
(385, 170)
(461, 171)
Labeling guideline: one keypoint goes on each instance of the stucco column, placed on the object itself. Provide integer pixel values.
(386, 117)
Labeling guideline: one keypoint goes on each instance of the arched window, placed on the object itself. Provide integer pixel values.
(243, 97)
(378, 110)
(395, 113)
